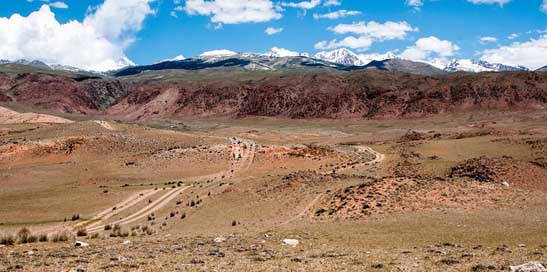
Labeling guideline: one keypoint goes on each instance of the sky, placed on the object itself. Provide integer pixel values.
(109, 34)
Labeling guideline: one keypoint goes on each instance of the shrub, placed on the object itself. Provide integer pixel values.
(118, 231)
(234, 223)
(7, 240)
(81, 232)
(61, 236)
(43, 237)
(75, 217)
(24, 236)
(94, 236)
(107, 227)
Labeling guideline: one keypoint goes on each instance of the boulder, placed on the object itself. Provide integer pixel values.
(529, 267)
(291, 242)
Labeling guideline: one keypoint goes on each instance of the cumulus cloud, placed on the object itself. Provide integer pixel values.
(303, 5)
(544, 6)
(427, 48)
(531, 54)
(488, 39)
(336, 14)
(499, 2)
(60, 5)
(415, 3)
(332, 3)
(272, 30)
(97, 43)
(513, 36)
(365, 34)
(234, 12)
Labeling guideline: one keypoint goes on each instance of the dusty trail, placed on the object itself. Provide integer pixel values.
(242, 155)
(117, 209)
(144, 212)
(378, 158)
(304, 211)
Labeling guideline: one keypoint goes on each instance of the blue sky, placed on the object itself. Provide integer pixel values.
(160, 30)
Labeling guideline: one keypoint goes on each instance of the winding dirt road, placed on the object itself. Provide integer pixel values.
(378, 158)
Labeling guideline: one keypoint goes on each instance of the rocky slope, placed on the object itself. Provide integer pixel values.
(358, 94)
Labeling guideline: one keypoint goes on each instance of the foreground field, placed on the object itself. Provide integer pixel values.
(465, 192)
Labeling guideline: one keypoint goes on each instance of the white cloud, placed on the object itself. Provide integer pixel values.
(531, 54)
(234, 12)
(365, 34)
(415, 3)
(332, 3)
(513, 36)
(303, 5)
(115, 18)
(336, 14)
(544, 6)
(426, 48)
(272, 30)
(97, 43)
(488, 39)
(499, 2)
(386, 31)
(60, 5)
(360, 43)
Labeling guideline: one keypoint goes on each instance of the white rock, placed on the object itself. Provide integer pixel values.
(505, 184)
(126, 242)
(291, 242)
(529, 267)
(81, 244)
(219, 239)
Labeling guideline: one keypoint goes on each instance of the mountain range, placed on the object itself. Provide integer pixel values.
(283, 60)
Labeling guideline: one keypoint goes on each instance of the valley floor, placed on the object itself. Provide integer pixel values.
(464, 192)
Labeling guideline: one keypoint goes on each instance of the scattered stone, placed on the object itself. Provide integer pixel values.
(126, 242)
(291, 242)
(505, 184)
(378, 266)
(81, 244)
(219, 239)
(528, 267)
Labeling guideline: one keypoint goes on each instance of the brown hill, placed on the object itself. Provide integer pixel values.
(368, 94)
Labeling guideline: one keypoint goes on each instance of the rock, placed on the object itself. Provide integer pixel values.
(81, 244)
(529, 267)
(126, 242)
(291, 242)
(505, 184)
(219, 239)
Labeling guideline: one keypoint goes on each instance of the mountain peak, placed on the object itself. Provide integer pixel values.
(477, 66)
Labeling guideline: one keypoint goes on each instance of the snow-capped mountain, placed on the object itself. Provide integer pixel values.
(42, 65)
(341, 56)
(277, 52)
(477, 66)
(218, 53)
(347, 57)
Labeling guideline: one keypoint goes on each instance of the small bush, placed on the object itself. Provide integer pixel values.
(118, 231)
(60, 237)
(234, 223)
(24, 236)
(7, 240)
(81, 232)
(94, 236)
(43, 237)
(107, 227)
(75, 217)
